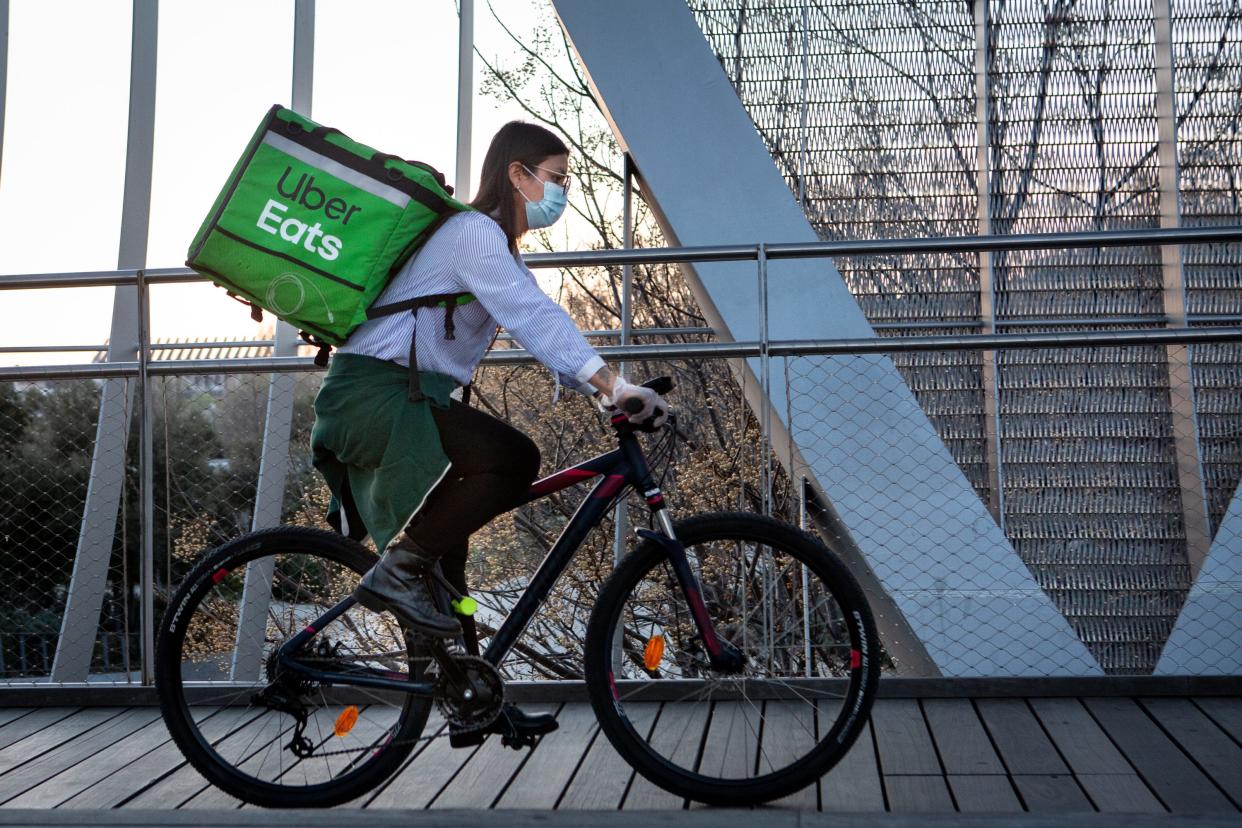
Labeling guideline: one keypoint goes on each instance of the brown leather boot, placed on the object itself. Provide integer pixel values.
(398, 584)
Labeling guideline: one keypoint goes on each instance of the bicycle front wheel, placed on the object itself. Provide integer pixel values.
(262, 733)
(802, 696)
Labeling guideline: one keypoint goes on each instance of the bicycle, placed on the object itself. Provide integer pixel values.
(283, 691)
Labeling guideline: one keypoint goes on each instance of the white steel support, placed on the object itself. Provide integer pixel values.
(806, 102)
(1181, 381)
(80, 621)
(146, 485)
(4, 72)
(465, 97)
(621, 519)
(278, 418)
(987, 284)
(1207, 638)
(900, 498)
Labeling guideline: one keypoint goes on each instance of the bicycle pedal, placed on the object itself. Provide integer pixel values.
(518, 741)
(469, 738)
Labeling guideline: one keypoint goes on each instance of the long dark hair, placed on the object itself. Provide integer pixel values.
(529, 144)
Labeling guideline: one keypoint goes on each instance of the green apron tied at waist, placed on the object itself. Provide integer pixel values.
(379, 452)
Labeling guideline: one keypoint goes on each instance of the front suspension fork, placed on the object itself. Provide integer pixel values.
(724, 657)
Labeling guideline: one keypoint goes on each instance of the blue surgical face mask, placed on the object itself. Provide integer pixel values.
(545, 211)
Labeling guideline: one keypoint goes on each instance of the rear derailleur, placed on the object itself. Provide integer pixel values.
(285, 693)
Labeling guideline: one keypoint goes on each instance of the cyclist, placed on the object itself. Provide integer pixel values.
(420, 471)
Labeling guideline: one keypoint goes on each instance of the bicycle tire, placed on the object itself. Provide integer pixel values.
(609, 703)
(171, 657)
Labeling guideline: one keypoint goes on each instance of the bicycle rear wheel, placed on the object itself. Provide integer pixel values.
(261, 733)
(801, 699)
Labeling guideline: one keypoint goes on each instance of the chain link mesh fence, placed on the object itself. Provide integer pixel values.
(1100, 478)
(1099, 485)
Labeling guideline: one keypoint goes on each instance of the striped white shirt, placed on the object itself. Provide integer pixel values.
(470, 253)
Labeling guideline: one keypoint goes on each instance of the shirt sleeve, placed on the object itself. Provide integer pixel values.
(510, 293)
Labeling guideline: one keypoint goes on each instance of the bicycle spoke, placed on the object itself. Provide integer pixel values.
(792, 634)
(306, 743)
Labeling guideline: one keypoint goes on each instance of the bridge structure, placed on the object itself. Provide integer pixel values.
(999, 699)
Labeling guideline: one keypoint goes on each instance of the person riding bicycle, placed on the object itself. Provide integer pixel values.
(420, 472)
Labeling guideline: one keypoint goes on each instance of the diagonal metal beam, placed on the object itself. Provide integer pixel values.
(1191, 489)
(901, 499)
(4, 72)
(1207, 638)
(80, 621)
(278, 417)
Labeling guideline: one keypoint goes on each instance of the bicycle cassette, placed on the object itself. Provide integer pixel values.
(488, 695)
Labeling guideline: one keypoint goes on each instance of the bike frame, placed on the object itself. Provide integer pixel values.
(624, 466)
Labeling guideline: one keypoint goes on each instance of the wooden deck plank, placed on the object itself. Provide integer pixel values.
(1226, 712)
(139, 775)
(901, 735)
(604, 777)
(1022, 743)
(912, 774)
(1120, 793)
(169, 792)
(678, 734)
(1086, 748)
(1211, 748)
(177, 787)
(481, 780)
(1051, 792)
(103, 735)
(540, 782)
(984, 794)
(88, 772)
(373, 726)
(259, 745)
(854, 785)
(44, 729)
(918, 794)
(1127, 756)
(960, 737)
(422, 779)
(1167, 771)
(10, 714)
(732, 746)
(789, 733)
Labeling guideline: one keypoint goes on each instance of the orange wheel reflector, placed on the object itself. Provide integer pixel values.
(654, 652)
(346, 721)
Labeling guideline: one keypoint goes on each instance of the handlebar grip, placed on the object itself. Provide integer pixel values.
(633, 405)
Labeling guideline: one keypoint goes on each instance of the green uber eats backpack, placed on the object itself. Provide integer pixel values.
(311, 226)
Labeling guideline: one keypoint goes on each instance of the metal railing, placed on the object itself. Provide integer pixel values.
(763, 350)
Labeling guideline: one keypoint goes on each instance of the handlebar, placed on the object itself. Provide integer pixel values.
(660, 385)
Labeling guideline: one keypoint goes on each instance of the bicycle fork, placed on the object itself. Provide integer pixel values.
(724, 657)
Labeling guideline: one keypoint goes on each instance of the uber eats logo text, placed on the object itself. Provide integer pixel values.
(310, 236)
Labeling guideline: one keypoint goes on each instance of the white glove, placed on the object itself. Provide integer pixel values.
(623, 393)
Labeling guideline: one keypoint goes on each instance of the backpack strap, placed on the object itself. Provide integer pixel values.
(448, 301)
(325, 348)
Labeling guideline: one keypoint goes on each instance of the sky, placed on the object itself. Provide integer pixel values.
(385, 74)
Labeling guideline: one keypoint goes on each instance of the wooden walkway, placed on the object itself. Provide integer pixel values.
(927, 756)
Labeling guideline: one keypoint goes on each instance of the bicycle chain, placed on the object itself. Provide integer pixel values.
(398, 743)
(461, 724)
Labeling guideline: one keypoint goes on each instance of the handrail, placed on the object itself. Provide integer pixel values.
(680, 350)
(723, 253)
(268, 343)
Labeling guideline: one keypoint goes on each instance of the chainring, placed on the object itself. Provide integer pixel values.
(476, 713)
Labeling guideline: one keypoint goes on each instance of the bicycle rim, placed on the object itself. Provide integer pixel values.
(796, 706)
(259, 732)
